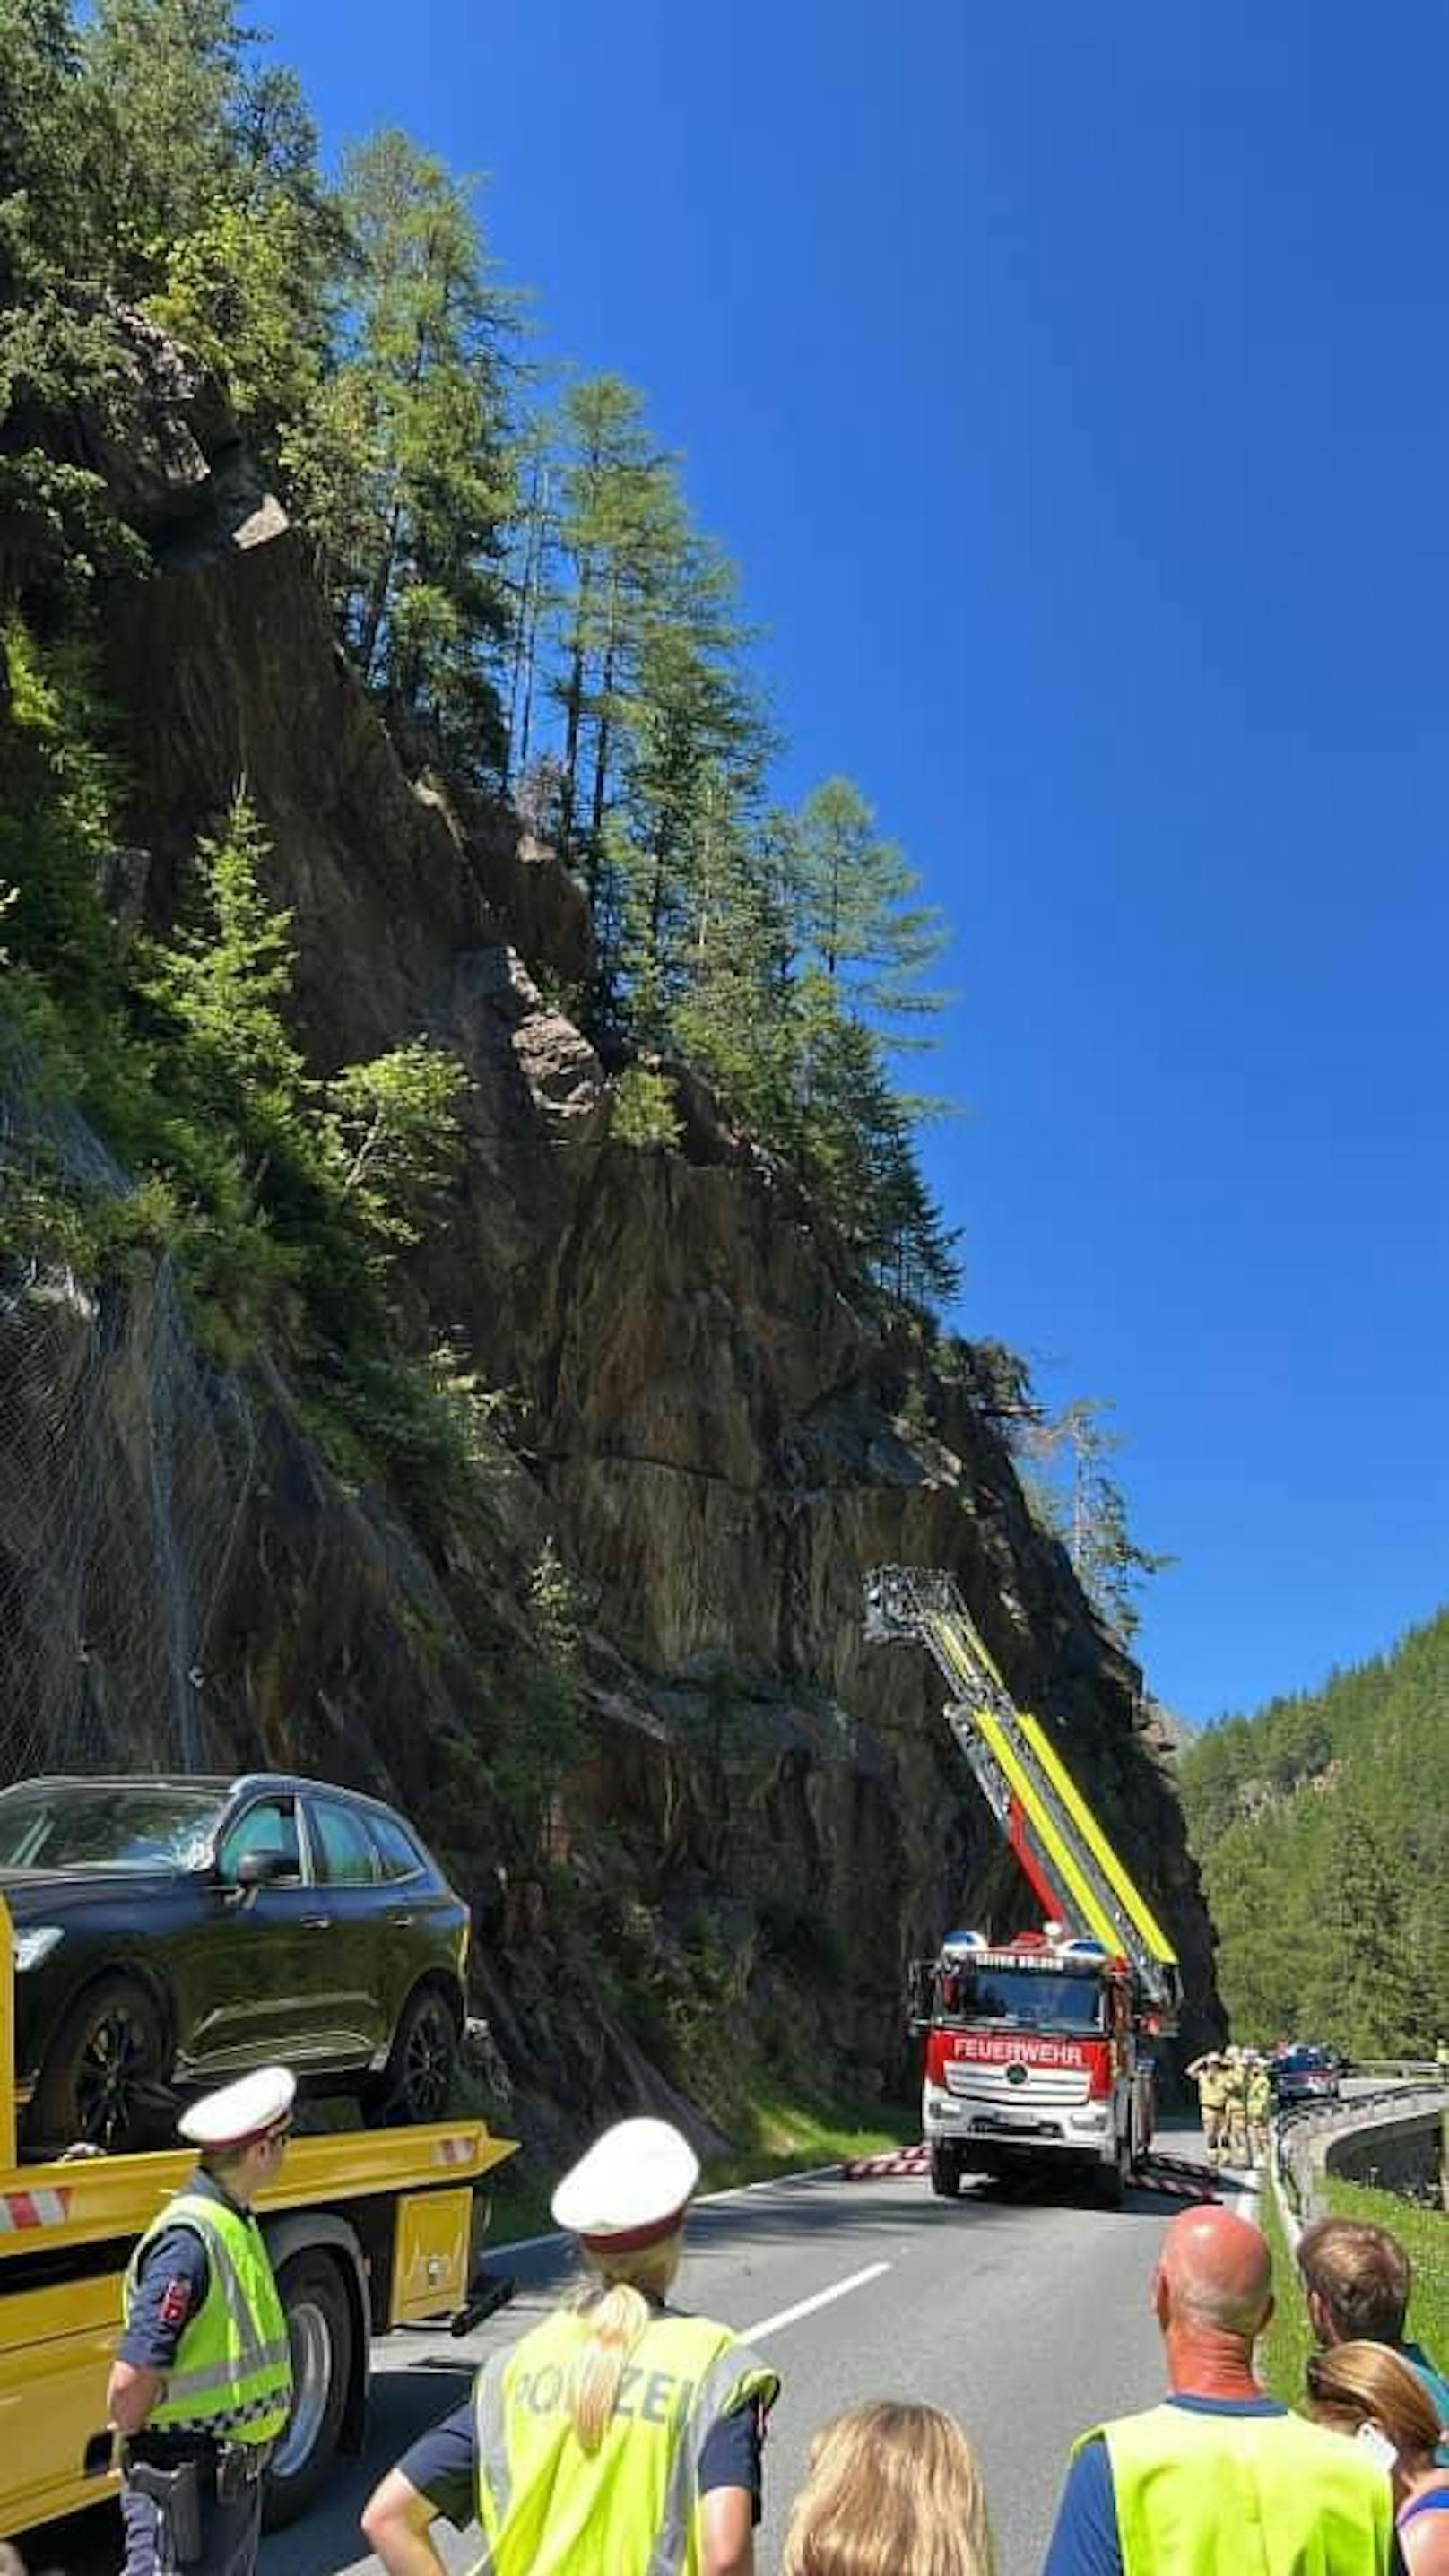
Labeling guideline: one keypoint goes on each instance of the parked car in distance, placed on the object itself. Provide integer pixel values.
(172, 1933)
(1305, 2075)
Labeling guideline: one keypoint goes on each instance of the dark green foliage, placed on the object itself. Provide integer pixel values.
(282, 1198)
(55, 819)
(57, 345)
(1319, 1827)
(399, 457)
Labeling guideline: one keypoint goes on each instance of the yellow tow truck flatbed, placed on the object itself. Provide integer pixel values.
(368, 2229)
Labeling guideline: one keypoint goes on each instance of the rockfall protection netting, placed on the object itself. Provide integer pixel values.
(125, 1465)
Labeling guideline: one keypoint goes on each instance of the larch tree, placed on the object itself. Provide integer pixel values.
(406, 464)
(621, 523)
(859, 917)
(1087, 1510)
(696, 745)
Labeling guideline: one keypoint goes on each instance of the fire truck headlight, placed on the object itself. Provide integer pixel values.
(33, 1946)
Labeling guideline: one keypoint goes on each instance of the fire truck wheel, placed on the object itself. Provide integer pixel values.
(319, 2324)
(1112, 2180)
(945, 2170)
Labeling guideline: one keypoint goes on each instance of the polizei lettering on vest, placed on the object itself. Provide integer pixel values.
(665, 2398)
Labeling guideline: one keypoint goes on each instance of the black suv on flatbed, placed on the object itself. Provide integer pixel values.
(171, 1933)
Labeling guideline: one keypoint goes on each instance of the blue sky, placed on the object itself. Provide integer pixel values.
(1073, 388)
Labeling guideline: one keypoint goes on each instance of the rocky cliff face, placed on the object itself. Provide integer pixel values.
(765, 1818)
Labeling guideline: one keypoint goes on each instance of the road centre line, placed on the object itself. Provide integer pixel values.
(806, 2307)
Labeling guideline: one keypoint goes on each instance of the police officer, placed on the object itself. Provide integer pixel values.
(621, 2434)
(202, 2380)
(1207, 2073)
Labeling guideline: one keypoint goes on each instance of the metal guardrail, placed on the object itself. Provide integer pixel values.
(1410, 2070)
(1296, 2130)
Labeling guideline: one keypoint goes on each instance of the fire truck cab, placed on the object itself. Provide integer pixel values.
(1036, 2058)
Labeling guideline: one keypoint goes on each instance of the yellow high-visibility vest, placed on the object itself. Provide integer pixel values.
(232, 2376)
(548, 2507)
(1262, 2495)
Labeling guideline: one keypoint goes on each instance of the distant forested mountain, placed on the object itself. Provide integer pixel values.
(1320, 1827)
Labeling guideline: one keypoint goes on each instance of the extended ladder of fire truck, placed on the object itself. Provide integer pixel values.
(1076, 1874)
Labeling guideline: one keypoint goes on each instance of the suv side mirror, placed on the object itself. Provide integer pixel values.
(262, 1869)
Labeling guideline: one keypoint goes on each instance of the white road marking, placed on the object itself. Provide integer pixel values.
(822, 2299)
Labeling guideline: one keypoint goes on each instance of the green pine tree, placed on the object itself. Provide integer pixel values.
(403, 464)
(858, 916)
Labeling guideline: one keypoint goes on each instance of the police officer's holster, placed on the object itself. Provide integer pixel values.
(181, 2493)
(177, 2496)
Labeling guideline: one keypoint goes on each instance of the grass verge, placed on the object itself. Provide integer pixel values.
(1283, 2351)
(785, 2135)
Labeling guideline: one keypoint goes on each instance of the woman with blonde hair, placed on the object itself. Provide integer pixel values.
(892, 2490)
(620, 2435)
(1368, 2391)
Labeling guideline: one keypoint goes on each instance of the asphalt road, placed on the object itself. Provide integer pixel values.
(1028, 2318)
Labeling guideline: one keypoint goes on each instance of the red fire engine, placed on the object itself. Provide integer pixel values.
(1039, 2050)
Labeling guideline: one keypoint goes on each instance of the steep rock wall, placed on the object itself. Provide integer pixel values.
(719, 1439)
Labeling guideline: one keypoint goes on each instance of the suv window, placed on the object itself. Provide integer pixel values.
(397, 1854)
(269, 1826)
(344, 1846)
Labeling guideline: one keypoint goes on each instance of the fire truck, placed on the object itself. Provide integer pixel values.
(367, 2230)
(1039, 2049)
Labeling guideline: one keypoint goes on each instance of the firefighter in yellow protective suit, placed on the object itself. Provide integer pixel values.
(1260, 2108)
(1235, 2106)
(1207, 2073)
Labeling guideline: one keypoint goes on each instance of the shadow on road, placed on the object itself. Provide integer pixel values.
(413, 2390)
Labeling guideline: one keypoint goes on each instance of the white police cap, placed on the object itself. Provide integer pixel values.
(632, 2187)
(241, 2111)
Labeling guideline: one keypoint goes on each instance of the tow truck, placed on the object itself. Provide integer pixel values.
(367, 2230)
(1039, 2049)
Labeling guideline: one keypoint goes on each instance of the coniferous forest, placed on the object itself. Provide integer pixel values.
(1318, 1825)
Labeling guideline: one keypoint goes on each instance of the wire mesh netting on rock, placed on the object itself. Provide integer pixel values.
(125, 1464)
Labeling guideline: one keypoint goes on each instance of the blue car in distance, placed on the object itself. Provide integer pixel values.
(1305, 2075)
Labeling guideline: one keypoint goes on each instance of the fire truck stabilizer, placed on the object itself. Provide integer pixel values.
(1039, 2050)
(368, 2229)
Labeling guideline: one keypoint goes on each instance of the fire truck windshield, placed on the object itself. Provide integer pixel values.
(1025, 1998)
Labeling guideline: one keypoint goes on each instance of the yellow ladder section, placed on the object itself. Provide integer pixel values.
(1095, 1917)
(964, 1658)
(1120, 1879)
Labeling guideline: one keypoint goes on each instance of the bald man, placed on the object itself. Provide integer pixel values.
(1220, 2476)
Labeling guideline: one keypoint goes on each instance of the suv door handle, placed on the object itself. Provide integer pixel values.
(398, 1920)
(316, 1922)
